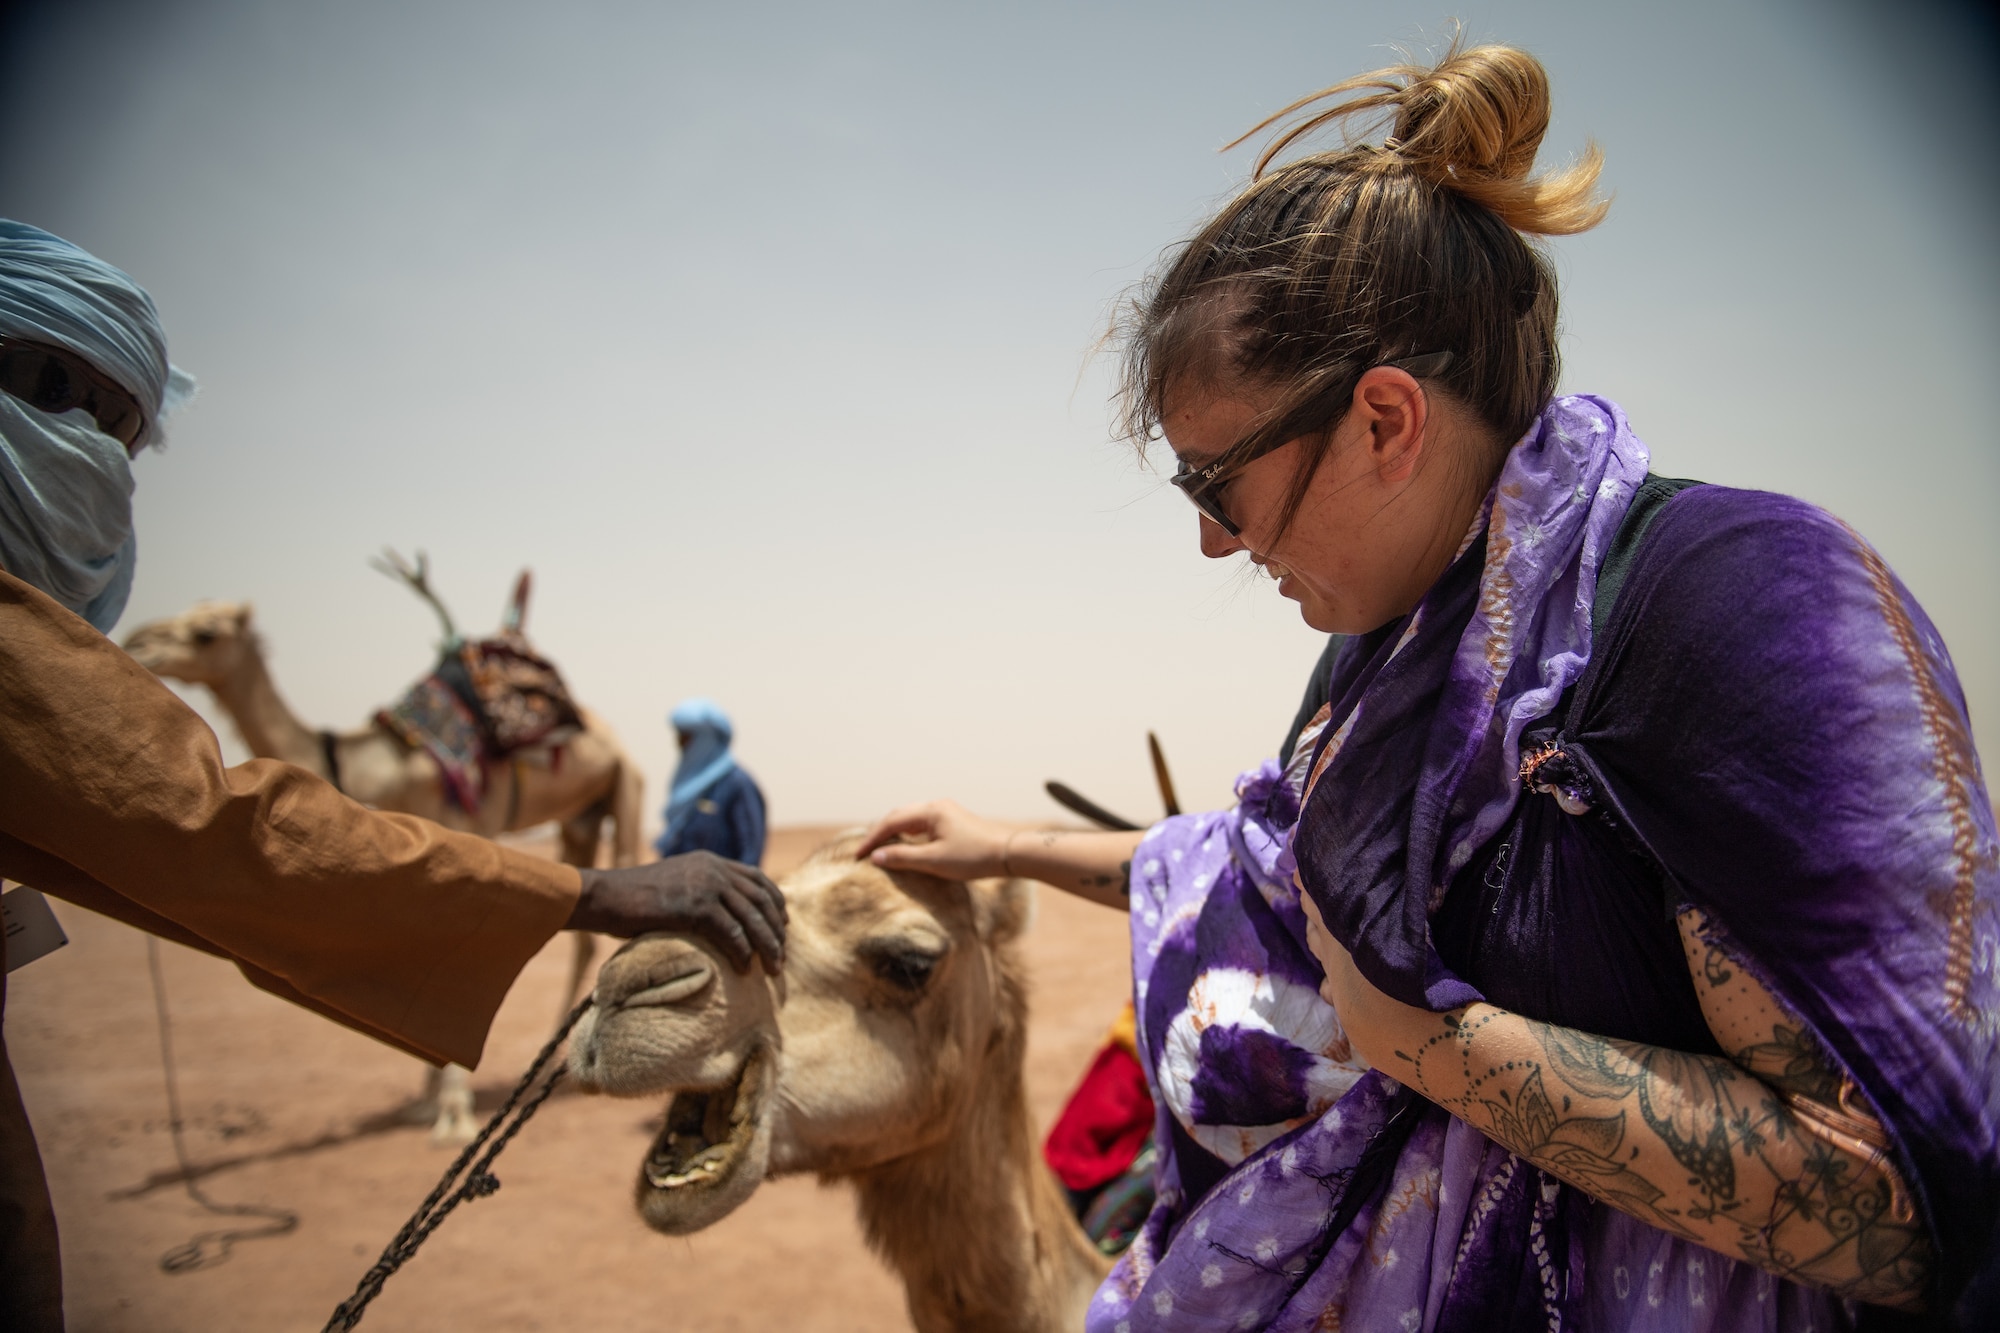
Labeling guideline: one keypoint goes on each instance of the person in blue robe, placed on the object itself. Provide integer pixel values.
(713, 804)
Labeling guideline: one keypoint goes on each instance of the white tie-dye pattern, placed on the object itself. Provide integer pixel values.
(1253, 1001)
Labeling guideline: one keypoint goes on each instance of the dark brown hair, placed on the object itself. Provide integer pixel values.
(1339, 261)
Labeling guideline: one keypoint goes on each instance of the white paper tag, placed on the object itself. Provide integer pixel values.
(32, 928)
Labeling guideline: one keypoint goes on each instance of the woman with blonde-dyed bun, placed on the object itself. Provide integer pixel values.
(1615, 950)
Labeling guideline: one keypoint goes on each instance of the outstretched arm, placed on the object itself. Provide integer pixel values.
(944, 838)
(1767, 1155)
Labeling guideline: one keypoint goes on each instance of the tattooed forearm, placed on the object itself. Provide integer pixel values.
(1583, 1149)
(1654, 1080)
(1090, 864)
(1767, 1155)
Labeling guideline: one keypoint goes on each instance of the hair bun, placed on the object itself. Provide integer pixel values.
(1471, 123)
(1481, 114)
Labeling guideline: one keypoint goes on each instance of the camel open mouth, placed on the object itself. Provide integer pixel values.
(695, 1170)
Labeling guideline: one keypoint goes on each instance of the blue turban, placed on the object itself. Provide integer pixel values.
(66, 486)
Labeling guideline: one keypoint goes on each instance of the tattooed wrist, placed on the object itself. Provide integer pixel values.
(1122, 880)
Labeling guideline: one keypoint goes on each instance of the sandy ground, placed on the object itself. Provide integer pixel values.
(285, 1109)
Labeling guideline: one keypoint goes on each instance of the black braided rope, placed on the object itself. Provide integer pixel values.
(478, 1182)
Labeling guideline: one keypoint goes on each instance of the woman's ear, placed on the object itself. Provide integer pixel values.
(1393, 408)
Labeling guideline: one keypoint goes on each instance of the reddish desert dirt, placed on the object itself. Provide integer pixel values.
(285, 1109)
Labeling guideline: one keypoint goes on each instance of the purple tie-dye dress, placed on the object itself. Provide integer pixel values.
(1767, 728)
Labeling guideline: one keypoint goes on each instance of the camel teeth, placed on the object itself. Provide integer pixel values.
(695, 1171)
(714, 1152)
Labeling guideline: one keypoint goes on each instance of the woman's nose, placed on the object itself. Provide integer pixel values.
(1216, 541)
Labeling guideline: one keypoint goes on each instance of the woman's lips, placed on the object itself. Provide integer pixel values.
(1281, 574)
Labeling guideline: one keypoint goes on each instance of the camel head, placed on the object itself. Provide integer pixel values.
(204, 645)
(900, 1016)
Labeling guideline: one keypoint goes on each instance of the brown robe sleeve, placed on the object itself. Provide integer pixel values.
(113, 795)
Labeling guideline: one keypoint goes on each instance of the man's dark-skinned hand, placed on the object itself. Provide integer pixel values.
(731, 905)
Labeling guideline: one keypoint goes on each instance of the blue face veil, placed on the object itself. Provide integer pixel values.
(705, 759)
(65, 486)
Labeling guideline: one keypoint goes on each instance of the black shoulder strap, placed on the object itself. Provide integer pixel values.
(1654, 492)
(1651, 499)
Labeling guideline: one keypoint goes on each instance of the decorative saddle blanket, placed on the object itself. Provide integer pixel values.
(486, 700)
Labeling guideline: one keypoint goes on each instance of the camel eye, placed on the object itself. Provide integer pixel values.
(903, 966)
(203, 637)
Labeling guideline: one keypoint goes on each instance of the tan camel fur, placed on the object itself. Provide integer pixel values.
(213, 644)
(889, 1054)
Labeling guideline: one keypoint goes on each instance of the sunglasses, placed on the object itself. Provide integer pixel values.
(54, 380)
(1203, 486)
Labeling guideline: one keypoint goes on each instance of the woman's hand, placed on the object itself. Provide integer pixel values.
(949, 841)
(953, 843)
(1375, 1024)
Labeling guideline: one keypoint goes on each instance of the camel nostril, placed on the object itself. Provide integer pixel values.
(677, 989)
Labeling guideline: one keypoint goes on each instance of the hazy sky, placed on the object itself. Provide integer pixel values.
(761, 332)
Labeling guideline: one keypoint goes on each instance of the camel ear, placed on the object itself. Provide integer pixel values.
(1006, 908)
(243, 611)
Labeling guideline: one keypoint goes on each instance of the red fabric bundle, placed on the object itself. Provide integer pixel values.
(1105, 1124)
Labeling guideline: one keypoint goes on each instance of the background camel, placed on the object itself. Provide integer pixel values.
(578, 785)
(889, 1054)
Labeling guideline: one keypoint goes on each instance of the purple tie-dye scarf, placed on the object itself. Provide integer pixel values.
(1550, 521)
(1250, 1066)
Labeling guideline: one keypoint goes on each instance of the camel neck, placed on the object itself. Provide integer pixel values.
(268, 726)
(983, 1240)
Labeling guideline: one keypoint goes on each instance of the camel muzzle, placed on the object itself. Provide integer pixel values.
(672, 1017)
(669, 1016)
